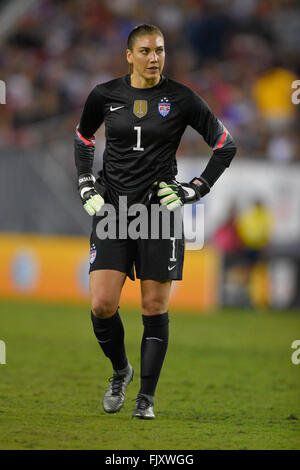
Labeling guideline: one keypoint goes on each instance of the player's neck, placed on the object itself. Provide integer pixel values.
(137, 81)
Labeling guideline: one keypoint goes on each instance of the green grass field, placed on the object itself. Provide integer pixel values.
(227, 383)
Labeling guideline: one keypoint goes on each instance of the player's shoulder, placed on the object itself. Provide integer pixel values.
(104, 89)
(110, 85)
(178, 87)
(188, 99)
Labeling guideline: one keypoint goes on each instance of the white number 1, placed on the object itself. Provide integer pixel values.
(139, 134)
(173, 249)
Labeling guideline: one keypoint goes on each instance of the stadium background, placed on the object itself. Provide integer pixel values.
(242, 57)
(239, 56)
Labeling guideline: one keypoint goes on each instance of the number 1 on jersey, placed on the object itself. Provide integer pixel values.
(139, 135)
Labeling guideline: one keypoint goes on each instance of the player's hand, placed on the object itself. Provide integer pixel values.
(173, 194)
(91, 200)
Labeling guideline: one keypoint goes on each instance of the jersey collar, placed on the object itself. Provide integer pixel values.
(126, 80)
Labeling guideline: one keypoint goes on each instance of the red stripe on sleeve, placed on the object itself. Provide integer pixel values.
(220, 144)
(87, 142)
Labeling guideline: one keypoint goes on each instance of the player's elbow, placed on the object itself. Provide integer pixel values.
(233, 150)
(225, 155)
(233, 147)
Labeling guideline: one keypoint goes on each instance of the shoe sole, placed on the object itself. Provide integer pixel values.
(144, 417)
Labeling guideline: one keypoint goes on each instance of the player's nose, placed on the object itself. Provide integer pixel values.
(153, 57)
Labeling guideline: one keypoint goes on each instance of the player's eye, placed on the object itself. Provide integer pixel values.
(145, 51)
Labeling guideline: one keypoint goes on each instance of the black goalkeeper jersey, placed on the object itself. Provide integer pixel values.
(143, 128)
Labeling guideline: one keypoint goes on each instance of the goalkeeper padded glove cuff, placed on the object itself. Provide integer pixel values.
(201, 185)
(91, 200)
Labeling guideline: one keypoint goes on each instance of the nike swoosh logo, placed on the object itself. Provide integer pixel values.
(115, 109)
(171, 267)
(105, 341)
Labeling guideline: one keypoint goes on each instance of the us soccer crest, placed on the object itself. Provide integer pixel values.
(93, 254)
(140, 108)
(164, 107)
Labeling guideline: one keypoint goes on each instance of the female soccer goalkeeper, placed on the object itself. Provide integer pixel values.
(145, 115)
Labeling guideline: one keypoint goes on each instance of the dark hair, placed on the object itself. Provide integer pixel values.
(141, 30)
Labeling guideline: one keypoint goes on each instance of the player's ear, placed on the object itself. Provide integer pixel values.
(129, 56)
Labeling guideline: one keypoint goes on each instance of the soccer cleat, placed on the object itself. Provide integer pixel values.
(114, 397)
(143, 408)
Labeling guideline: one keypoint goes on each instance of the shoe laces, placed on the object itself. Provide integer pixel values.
(116, 383)
(142, 402)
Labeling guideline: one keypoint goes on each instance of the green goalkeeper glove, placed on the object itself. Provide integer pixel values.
(91, 200)
(173, 194)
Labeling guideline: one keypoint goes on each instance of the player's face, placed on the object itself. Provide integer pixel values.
(147, 57)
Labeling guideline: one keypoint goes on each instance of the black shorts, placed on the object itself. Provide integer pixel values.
(156, 259)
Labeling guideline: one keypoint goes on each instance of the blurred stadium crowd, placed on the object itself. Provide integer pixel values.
(241, 56)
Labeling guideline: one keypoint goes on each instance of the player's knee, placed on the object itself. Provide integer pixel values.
(152, 306)
(103, 307)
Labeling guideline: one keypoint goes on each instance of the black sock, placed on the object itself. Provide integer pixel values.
(110, 336)
(153, 350)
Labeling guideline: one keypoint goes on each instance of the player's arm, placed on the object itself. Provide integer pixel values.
(91, 119)
(201, 118)
(215, 134)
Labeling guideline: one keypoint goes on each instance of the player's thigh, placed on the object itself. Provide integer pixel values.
(110, 253)
(105, 291)
(160, 256)
(155, 296)
(160, 259)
